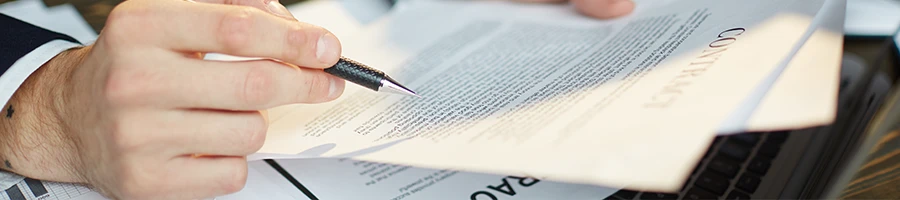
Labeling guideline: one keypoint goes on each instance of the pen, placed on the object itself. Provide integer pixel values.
(368, 77)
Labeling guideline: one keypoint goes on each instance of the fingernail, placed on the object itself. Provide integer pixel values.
(327, 48)
(279, 9)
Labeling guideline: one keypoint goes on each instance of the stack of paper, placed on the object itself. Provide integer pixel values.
(534, 90)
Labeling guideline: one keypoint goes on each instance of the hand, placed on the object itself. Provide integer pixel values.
(603, 9)
(130, 114)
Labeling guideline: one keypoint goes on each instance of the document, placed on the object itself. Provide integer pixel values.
(530, 90)
(29, 189)
(325, 178)
(263, 182)
(806, 92)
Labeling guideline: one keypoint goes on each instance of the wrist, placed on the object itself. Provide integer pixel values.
(34, 141)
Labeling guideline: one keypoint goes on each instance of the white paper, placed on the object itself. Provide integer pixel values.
(872, 17)
(49, 190)
(350, 179)
(806, 93)
(801, 97)
(263, 182)
(643, 132)
(66, 19)
(31, 11)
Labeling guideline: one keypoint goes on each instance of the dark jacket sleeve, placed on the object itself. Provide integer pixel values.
(18, 38)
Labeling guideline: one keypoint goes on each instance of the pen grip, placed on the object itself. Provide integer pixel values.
(357, 73)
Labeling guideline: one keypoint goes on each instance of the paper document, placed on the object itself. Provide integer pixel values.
(539, 91)
(806, 92)
(30, 189)
(349, 179)
(263, 182)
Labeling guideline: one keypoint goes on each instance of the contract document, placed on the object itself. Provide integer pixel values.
(531, 90)
(327, 178)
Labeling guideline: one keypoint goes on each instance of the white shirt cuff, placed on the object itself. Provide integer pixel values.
(22, 68)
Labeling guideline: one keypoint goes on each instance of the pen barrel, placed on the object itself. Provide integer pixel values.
(357, 73)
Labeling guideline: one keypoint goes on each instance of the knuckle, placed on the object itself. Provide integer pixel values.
(236, 181)
(122, 19)
(299, 43)
(250, 137)
(128, 86)
(257, 138)
(235, 28)
(257, 86)
(318, 87)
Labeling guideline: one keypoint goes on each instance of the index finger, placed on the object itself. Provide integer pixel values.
(242, 31)
(604, 9)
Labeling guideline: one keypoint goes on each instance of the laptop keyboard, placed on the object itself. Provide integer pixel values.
(732, 169)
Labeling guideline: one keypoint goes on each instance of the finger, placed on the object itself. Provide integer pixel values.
(604, 9)
(244, 85)
(272, 6)
(240, 31)
(212, 132)
(206, 177)
(540, 1)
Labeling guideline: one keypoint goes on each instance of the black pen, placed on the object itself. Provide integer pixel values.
(368, 77)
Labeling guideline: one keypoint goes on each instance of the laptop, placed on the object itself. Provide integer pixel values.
(812, 163)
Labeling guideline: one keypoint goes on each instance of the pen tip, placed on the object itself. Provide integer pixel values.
(389, 85)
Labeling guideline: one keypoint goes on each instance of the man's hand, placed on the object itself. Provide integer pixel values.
(140, 115)
(603, 9)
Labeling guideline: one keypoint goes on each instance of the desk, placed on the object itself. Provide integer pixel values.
(880, 176)
(878, 179)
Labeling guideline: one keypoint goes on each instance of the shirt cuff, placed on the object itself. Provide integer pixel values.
(13, 78)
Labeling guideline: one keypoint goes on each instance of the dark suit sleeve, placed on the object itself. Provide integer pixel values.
(18, 38)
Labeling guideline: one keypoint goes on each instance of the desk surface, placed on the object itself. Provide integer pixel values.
(879, 178)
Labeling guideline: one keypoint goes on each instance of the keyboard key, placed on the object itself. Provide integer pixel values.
(746, 138)
(614, 197)
(659, 196)
(625, 194)
(712, 182)
(734, 150)
(778, 137)
(737, 195)
(769, 149)
(697, 193)
(748, 182)
(759, 165)
(728, 167)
